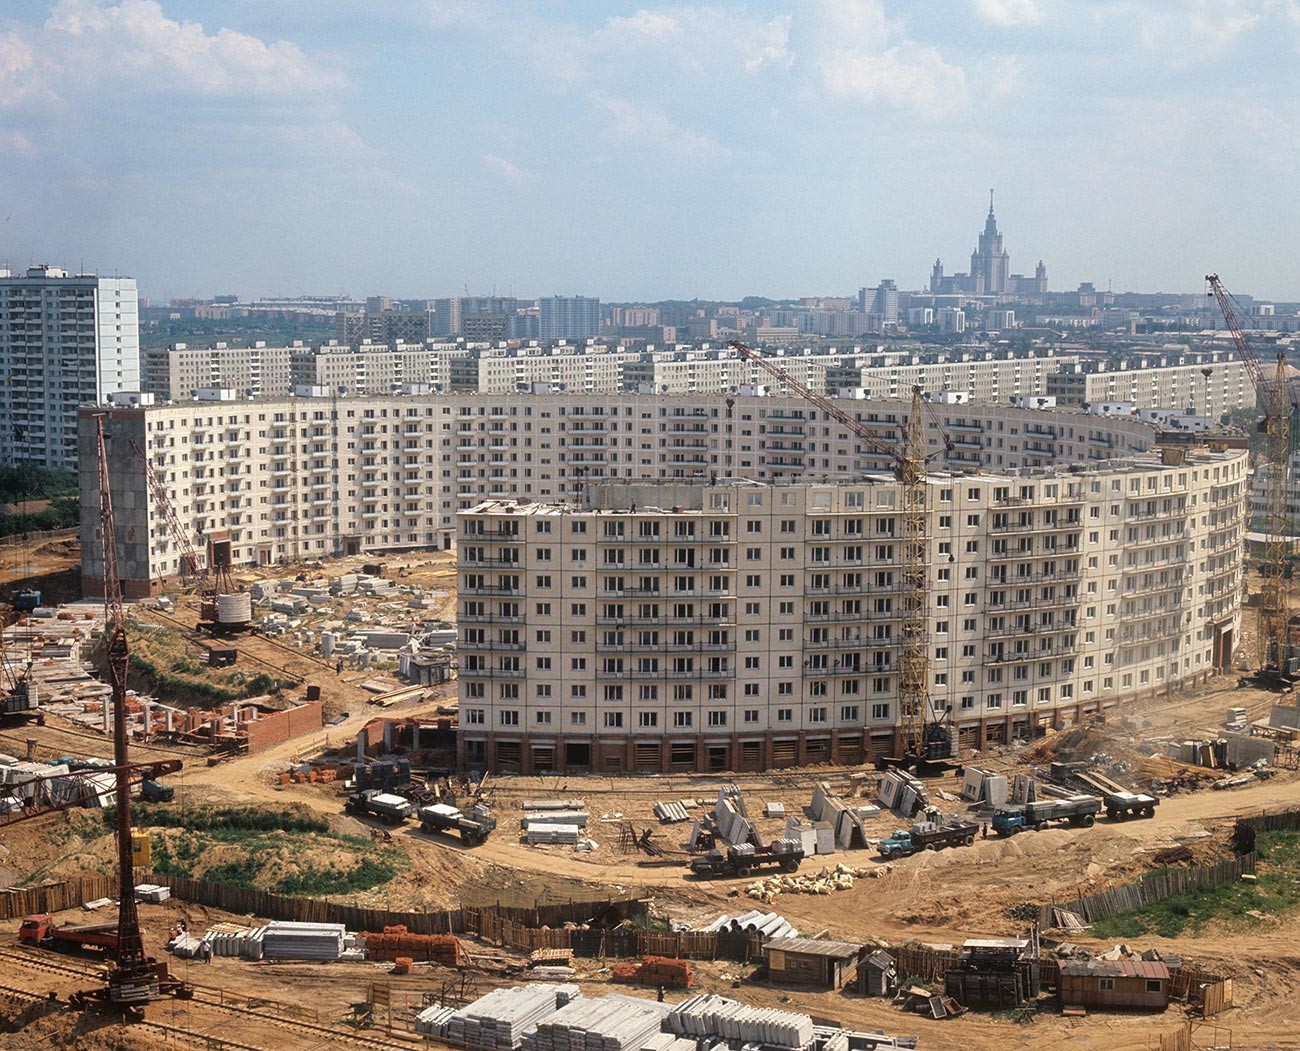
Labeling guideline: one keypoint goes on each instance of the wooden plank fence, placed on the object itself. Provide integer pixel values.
(1155, 886)
(16, 903)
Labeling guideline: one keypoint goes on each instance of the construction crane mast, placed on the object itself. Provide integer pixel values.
(1273, 632)
(910, 468)
(135, 978)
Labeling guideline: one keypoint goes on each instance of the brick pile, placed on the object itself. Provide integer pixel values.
(394, 943)
(655, 971)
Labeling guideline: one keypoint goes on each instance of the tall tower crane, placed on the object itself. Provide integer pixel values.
(910, 468)
(134, 978)
(1273, 633)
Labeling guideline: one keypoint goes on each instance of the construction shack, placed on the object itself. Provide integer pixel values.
(995, 973)
(1114, 983)
(878, 975)
(811, 961)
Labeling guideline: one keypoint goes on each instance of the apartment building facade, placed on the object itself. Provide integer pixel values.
(303, 477)
(747, 626)
(1211, 385)
(65, 340)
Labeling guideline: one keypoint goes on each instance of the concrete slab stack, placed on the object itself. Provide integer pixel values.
(903, 793)
(432, 1021)
(710, 1015)
(551, 833)
(985, 786)
(553, 804)
(576, 818)
(732, 818)
(500, 1020)
(282, 940)
(611, 1023)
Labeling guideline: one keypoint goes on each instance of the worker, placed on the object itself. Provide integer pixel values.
(985, 830)
(206, 950)
(338, 666)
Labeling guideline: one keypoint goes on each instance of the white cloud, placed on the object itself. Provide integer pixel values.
(136, 41)
(648, 126)
(1008, 12)
(852, 51)
(509, 171)
(699, 38)
(17, 143)
(1196, 33)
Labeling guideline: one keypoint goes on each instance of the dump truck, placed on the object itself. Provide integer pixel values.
(41, 930)
(1121, 805)
(1080, 810)
(741, 863)
(390, 809)
(473, 828)
(927, 836)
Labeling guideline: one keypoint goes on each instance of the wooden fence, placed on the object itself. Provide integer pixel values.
(52, 897)
(1155, 886)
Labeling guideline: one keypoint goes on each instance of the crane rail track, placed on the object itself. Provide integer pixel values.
(208, 997)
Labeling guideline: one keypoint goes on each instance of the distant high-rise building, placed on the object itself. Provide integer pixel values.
(64, 341)
(884, 301)
(386, 324)
(989, 264)
(568, 317)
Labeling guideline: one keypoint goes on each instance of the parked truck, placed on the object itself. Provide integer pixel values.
(26, 601)
(1079, 810)
(927, 836)
(1121, 805)
(473, 828)
(41, 930)
(737, 861)
(389, 808)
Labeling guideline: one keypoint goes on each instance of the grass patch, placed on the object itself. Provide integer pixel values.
(288, 852)
(1276, 893)
(168, 667)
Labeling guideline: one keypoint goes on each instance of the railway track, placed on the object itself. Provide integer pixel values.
(212, 998)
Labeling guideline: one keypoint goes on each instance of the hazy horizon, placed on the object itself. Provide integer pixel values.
(643, 153)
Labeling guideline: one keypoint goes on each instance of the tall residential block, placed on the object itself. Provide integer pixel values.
(568, 317)
(65, 341)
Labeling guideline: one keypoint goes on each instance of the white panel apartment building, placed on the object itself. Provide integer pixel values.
(65, 341)
(754, 626)
(1210, 386)
(982, 376)
(303, 477)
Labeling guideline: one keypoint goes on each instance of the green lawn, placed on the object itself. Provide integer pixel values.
(1275, 894)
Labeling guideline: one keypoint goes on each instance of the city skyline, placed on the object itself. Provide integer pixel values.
(256, 148)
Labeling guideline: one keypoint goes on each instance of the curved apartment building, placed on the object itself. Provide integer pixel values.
(747, 625)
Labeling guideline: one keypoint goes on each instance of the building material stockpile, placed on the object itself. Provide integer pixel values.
(710, 1015)
(551, 833)
(229, 939)
(302, 941)
(432, 1021)
(827, 881)
(611, 1023)
(766, 925)
(672, 812)
(655, 970)
(576, 818)
(903, 793)
(500, 1020)
(731, 817)
(553, 804)
(394, 942)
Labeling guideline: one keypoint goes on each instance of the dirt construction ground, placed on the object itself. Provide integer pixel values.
(942, 897)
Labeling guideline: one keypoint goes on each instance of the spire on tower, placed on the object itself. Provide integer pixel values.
(990, 202)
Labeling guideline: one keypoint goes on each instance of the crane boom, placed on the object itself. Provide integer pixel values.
(1273, 631)
(910, 467)
(190, 567)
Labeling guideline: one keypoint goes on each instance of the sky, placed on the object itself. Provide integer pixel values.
(781, 148)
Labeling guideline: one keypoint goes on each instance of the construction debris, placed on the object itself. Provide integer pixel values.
(903, 793)
(827, 881)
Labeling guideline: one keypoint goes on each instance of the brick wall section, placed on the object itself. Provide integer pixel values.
(269, 730)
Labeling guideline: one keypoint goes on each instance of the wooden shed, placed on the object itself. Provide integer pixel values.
(877, 975)
(1113, 983)
(811, 961)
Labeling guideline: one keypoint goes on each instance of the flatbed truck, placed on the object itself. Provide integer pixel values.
(739, 864)
(1036, 816)
(473, 828)
(389, 808)
(904, 842)
(40, 930)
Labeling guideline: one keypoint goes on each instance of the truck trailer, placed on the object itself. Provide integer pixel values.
(927, 836)
(473, 828)
(736, 861)
(389, 808)
(1078, 810)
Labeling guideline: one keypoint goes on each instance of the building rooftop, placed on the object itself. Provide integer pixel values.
(1114, 968)
(814, 947)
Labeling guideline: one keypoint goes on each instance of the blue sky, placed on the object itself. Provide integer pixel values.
(644, 152)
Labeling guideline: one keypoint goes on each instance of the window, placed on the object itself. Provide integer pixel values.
(816, 715)
(1107, 984)
(613, 720)
(509, 718)
(849, 713)
(1153, 984)
(751, 715)
(717, 718)
(880, 711)
(543, 718)
(648, 720)
(682, 720)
